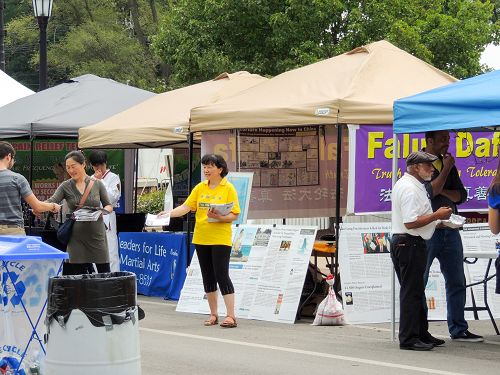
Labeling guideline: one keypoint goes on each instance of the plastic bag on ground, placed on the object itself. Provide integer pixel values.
(330, 311)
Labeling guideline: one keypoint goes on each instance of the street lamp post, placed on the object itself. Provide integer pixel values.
(43, 10)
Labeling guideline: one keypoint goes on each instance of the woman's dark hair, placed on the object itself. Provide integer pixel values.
(6, 149)
(98, 157)
(76, 156)
(217, 160)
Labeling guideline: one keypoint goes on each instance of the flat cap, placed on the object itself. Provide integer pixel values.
(420, 157)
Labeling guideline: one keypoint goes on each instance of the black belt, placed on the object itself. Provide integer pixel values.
(407, 235)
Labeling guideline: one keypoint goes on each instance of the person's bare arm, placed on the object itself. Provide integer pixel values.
(438, 183)
(494, 220)
(178, 211)
(39, 206)
(442, 213)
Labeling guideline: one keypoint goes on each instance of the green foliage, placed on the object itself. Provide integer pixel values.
(201, 38)
(130, 63)
(151, 202)
(87, 36)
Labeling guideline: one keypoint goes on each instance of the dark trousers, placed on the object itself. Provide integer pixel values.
(409, 256)
(84, 268)
(214, 265)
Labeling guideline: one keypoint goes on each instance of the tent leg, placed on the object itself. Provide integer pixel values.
(136, 162)
(338, 176)
(32, 155)
(190, 182)
(393, 278)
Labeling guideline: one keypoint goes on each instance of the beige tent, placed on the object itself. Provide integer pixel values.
(162, 120)
(358, 87)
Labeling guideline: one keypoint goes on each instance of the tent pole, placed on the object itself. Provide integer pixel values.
(335, 256)
(136, 162)
(190, 182)
(32, 155)
(393, 278)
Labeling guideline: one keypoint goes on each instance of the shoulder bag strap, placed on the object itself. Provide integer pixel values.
(86, 193)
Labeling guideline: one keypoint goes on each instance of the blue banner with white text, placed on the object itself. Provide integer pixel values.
(159, 261)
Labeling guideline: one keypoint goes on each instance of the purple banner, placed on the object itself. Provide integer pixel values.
(476, 158)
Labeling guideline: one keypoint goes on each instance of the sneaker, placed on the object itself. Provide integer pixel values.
(466, 336)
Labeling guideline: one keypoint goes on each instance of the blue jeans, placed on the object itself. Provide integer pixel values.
(446, 246)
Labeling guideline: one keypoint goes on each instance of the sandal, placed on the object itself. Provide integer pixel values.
(228, 323)
(213, 320)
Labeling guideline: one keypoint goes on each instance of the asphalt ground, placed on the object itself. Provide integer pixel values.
(178, 343)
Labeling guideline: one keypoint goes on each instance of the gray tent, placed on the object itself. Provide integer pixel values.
(61, 110)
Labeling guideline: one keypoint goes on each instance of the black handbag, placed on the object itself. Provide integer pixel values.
(66, 229)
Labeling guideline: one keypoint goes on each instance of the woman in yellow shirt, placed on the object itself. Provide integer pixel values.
(212, 234)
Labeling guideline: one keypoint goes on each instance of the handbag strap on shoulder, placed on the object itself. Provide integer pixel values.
(86, 193)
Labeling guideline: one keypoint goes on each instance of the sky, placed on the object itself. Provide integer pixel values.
(491, 57)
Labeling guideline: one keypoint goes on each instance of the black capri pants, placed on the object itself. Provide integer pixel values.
(214, 265)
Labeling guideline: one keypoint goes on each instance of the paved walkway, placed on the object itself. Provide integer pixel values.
(178, 343)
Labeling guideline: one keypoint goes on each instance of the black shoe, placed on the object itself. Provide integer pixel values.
(429, 339)
(417, 345)
(466, 336)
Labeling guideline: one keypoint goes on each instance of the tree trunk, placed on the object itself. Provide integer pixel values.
(134, 12)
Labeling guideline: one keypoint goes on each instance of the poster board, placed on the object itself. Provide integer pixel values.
(268, 266)
(269, 199)
(366, 274)
(242, 182)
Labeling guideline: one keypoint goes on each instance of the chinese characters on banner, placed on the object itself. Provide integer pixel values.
(294, 168)
(476, 158)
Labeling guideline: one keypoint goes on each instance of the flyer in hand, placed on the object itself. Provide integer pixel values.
(157, 220)
(221, 209)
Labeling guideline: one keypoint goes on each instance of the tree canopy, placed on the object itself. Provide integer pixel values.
(201, 38)
(159, 44)
(109, 38)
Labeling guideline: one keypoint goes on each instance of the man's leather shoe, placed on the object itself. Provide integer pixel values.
(432, 340)
(417, 345)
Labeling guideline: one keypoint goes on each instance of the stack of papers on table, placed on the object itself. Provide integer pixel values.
(89, 214)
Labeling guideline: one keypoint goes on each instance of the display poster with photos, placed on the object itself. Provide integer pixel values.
(281, 157)
(268, 267)
(267, 202)
(366, 269)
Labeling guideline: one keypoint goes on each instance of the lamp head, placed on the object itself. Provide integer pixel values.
(42, 8)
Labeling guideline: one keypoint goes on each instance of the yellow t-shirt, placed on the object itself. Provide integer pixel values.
(206, 233)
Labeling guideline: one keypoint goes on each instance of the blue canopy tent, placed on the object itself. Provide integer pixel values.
(471, 104)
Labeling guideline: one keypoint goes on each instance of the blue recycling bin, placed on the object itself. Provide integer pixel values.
(26, 263)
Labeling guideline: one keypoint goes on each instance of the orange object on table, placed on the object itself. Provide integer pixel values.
(324, 247)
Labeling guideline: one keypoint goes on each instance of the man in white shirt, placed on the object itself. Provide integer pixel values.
(98, 159)
(413, 222)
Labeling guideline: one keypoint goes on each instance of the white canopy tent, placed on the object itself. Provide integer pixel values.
(11, 90)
